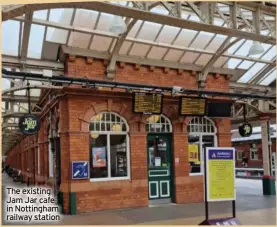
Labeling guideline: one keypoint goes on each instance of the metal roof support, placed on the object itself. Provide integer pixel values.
(267, 69)
(112, 59)
(149, 16)
(26, 34)
(204, 73)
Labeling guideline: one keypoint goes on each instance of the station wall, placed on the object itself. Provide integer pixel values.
(72, 113)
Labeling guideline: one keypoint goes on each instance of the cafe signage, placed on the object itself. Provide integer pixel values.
(29, 124)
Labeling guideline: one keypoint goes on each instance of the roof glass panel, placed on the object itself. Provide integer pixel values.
(134, 29)
(233, 63)
(173, 55)
(40, 14)
(251, 72)
(105, 21)
(160, 10)
(189, 57)
(139, 50)
(87, 16)
(245, 64)
(270, 54)
(125, 47)
(100, 43)
(203, 59)
(202, 40)
(6, 84)
(168, 34)
(149, 31)
(78, 39)
(185, 37)
(10, 37)
(243, 50)
(157, 52)
(216, 42)
(56, 35)
(235, 47)
(268, 78)
(35, 41)
(219, 62)
(62, 16)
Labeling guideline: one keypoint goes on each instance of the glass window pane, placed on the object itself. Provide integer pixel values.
(269, 78)
(36, 41)
(98, 157)
(158, 152)
(194, 153)
(119, 162)
(10, 37)
(56, 35)
(41, 14)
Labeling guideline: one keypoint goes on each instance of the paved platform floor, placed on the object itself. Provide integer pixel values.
(252, 209)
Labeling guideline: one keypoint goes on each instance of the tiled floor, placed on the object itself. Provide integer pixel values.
(252, 209)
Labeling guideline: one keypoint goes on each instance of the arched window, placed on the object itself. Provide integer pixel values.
(202, 134)
(158, 123)
(109, 147)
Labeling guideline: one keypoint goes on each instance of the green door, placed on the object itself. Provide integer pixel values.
(160, 178)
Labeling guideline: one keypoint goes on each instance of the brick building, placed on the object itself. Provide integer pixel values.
(70, 130)
(251, 147)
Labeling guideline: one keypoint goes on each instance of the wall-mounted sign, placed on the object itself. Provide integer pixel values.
(245, 130)
(192, 106)
(220, 170)
(79, 170)
(146, 103)
(219, 108)
(29, 124)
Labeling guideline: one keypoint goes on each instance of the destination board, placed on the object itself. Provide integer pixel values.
(192, 106)
(146, 103)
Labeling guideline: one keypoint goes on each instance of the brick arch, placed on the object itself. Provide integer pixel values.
(108, 106)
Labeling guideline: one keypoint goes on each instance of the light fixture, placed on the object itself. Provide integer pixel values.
(256, 48)
(116, 128)
(118, 25)
(94, 136)
(153, 119)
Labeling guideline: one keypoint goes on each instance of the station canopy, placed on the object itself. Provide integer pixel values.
(190, 35)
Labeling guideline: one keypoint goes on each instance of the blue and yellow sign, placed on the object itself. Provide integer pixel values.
(220, 166)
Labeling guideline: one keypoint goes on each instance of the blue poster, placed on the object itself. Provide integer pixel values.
(80, 170)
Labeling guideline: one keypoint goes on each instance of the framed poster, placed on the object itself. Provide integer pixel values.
(99, 157)
(220, 174)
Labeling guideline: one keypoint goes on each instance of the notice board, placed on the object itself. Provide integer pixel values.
(147, 103)
(192, 106)
(220, 174)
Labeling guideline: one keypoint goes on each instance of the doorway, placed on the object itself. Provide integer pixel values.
(160, 169)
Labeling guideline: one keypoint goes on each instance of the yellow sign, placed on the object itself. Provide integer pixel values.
(194, 153)
(220, 174)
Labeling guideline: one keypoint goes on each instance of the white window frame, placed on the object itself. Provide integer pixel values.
(159, 124)
(108, 134)
(256, 157)
(201, 134)
(241, 152)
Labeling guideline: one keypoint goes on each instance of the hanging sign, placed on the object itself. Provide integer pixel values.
(29, 124)
(220, 170)
(245, 130)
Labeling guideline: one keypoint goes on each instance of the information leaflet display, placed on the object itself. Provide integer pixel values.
(220, 174)
(192, 106)
(146, 103)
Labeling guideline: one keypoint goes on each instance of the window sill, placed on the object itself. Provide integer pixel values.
(109, 179)
(196, 174)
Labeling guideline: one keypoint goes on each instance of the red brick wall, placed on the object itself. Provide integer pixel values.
(77, 106)
(245, 147)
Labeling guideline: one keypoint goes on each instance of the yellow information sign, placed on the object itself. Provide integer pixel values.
(220, 170)
(194, 153)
